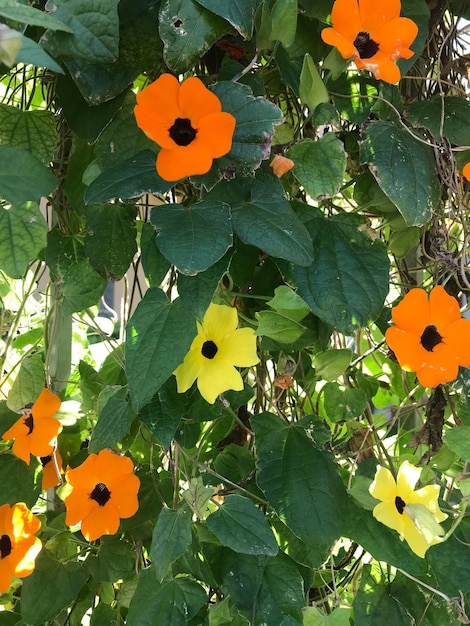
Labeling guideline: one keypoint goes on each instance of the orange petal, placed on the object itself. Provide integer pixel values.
(457, 339)
(84, 476)
(215, 132)
(443, 307)
(281, 165)
(43, 436)
(407, 348)
(21, 447)
(374, 14)
(79, 505)
(124, 495)
(110, 467)
(196, 101)
(396, 37)
(161, 96)
(184, 161)
(19, 429)
(413, 312)
(5, 576)
(382, 68)
(103, 520)
(466, 171)
(25, 554)
(346, 19)
(155, 126)
(441, 366)
(343, 44)
(46, 405)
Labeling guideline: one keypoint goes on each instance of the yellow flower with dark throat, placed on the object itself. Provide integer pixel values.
(187, 122)
(18, 545)
(104, 490)
(415, 515)
(218, 348)
(372, 34)
(430, 337)
(36, 431)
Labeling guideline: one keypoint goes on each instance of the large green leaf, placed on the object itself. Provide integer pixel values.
(128, 179)
(188, 30)
(241, 526)
(241, 576)
(450, 564)
(458, 440)
(32, 53)
(170, 603)
(17, 480)
(284, 21)
(193, 238)
(319, 165)
(28, 384)
(163, 413)
(23, 234)
(19, 12)
(300, 480)
(51, 587)
(374, 600)
(170, 539)
(405, 169)
(240, 13)
(115, 559)
(110, 242)
(158, 337)
(196, 291)
(115, 416)
(23, 177)
(82, 287)
(94, 30)
(449, 115)
(347, 283)
(31, 130)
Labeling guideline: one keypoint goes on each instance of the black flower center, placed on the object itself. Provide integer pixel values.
(366, 46)
(209, 349)
(430, 338)
(100, 494)
(29, 422)
(400, 504)
(5, 546)
(45, 459)
(182, 132)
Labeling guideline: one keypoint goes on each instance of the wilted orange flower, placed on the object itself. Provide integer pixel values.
(104, 490)
(51, 470)
(372, 34)
(281, 164)
(430, 337)
(18, 545)
(283, 381)
(36, 430)
(466, 171)
(188, 123)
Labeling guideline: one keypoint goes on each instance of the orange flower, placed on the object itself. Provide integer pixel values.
(51, 470)
(466, 171)
(372, 34)
(430, 337)
(281, 164)
(36, 431)
(104, 489)
(187, 122)
(283, 381)
(18, 545)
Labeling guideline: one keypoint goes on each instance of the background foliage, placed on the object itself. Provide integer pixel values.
(254, 510)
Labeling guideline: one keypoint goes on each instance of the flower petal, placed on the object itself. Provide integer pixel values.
(396, 38)
(457, 339)
(196, 101)
(407, 478)
(466, 171)
(215, 131)
(84, 477)
(103, 520)
(443, 307)
(216, 377)
(374, 15)
(428, 497)
(343, 44)
(383, 487)
(441, 366)
(346, 19)
(239, 348)
(110, 468)
(161, 95)
(219, 320)
(413, 312)
(414, 537)
(25, 554)
(124, 495)
(407, 348)
(181, 161)
(79, 505)
(189, 370)
(22, 448)
(46, 405)
(44, 434)
(387, 514)
(382, 68)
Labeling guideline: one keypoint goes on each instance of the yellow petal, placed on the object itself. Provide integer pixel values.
(216, 377)
(408, 476)
(383, 487)
(219, 320)
(239, 348)
(189, 370)
(388, 515)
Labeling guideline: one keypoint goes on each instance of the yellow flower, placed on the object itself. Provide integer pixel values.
(218, 348)
(415, 515)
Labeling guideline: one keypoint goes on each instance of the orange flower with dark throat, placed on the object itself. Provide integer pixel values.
(51, 470)
(188, 123)
(36, 431)
(430, 337)
(104, 490)
(18, 545)
(372, 34)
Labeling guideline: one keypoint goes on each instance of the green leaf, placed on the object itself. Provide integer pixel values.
(193, 238)
(158, 337)
(17, 480)
(154, 264)
(82, 287)
(23, 234)
(110, 242)
(128, 179)
(235, 463)
(347, 283)
(170, 603)
(343, 403)
(288, 461)
(28, 383)
(284, 21)
(374, 601)
(241, 526)
(449, 563)
(115, 416)
(241, 576)
(287, 302)
(23, 177)
(50, 588)
(451, 114)
(331, 364)
(240, 13)
(171, 537)
(94, 30)
(278, 327)
(163, 413)
(115, 559)
(187, 30)
(458, 440)
(91, 385)
(319, 165)
(34, 131)
(312, 90)
(31, 53)
(405, 169)
(196, 292)
(18, 12)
